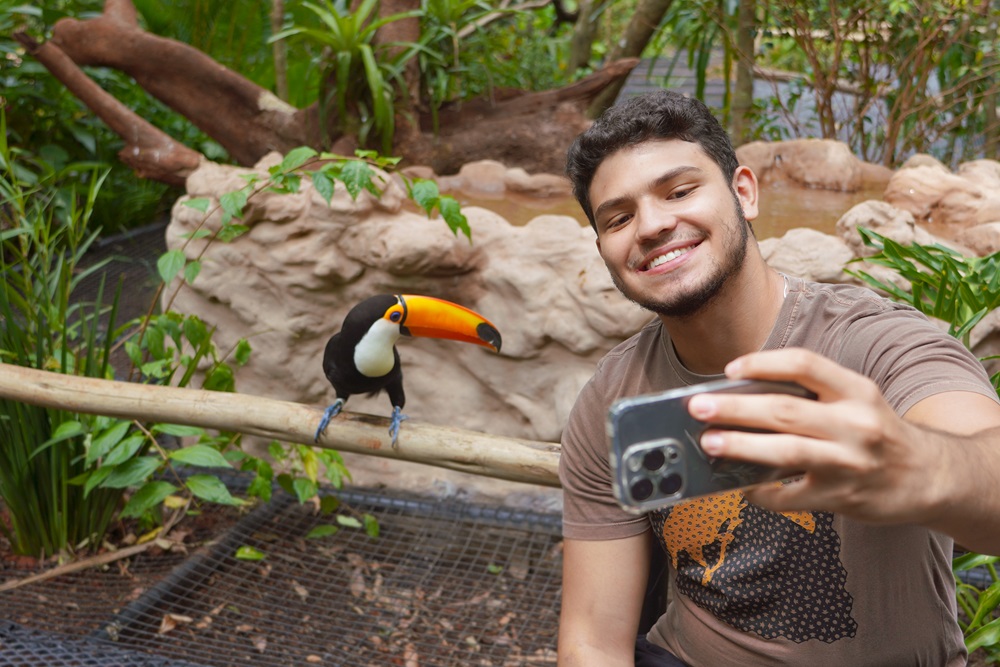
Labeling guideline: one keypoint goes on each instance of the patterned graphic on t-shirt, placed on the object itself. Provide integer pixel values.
(778, 575)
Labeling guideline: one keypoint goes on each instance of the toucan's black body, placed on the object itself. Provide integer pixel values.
(362, 358)
(338, 359)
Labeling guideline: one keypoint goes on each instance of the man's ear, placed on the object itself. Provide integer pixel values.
(746, 189)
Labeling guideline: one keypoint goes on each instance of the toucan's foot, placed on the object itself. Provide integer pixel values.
(328, 414)
(397, 418)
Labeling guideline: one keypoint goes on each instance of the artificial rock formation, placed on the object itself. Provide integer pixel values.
(287, 284)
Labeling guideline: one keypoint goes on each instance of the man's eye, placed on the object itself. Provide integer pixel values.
(680, 194)
(617, 221)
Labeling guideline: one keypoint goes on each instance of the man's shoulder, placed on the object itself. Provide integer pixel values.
(639, 343)
(845, 295)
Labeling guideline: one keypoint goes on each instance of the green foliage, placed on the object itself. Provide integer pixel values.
(54, 130)
(361, 78)
(959, 291)
(944, 284)
(42, 245)
(922, 73)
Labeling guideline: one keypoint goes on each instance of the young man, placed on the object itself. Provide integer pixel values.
(850, 564)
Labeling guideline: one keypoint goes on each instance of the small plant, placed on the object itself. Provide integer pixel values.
(959, 291)
(361, 77)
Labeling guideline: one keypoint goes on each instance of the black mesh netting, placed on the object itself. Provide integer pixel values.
(445, 583)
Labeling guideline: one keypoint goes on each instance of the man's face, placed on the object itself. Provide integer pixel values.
(670, 228)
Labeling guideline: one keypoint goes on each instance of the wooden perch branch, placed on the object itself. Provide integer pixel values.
(467, 451)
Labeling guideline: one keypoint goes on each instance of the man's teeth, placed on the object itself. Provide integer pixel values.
(673, 254)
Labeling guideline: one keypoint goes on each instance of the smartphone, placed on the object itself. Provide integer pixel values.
(656, 458)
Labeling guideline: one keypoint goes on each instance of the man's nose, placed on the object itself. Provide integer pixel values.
(653, 220)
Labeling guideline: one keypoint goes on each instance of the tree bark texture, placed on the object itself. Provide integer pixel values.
(641, 28)
(743, 94)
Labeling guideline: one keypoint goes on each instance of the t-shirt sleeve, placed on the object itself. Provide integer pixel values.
(590, 511)
(911, 358)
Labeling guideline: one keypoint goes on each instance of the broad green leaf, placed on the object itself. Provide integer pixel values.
(200, 455)
(988, 602)
(324, 185)
(988, 635)
(426, 194)
(131, 472)
(297, 157)
(328, 505)
(195, 331)
(147, 497)
(232, 204)
(371, 526)
(969, 561)
(198, 203)
(260, 487)
(310, 463)
(103, 442)
(357, 176)
(249, 553)
(220, 378)
(348, 521)
(191, 271)
(125, 449)
(322, 530)
(231, 231)
(95, 478)
(304, 489)
(210, 488)
(178, 430)
(170, 264)
(65, 431)
(452, 214)
(241, 354)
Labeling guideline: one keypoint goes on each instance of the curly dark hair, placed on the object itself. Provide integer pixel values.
(660, 115)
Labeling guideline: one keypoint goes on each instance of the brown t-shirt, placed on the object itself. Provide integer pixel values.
(754, 587)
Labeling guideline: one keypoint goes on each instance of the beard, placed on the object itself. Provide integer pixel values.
(694, 299)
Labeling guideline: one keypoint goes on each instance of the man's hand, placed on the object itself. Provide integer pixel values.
(857, 456)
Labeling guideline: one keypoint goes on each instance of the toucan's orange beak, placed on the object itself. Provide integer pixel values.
(428, 317)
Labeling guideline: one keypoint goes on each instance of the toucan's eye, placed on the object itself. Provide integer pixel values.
(395, 316)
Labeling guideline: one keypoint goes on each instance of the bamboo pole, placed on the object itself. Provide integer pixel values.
(457, 449)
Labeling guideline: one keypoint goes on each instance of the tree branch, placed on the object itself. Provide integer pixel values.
(467, 451)
(149, 151)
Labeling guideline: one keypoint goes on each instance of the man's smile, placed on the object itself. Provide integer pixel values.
(663, 258)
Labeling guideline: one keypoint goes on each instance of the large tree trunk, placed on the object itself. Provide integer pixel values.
(641, 28)
(743, 94)
(528, 130)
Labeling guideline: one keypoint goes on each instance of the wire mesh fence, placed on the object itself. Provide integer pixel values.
(445, 583)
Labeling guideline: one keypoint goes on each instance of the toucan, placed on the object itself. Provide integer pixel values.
(362, 359)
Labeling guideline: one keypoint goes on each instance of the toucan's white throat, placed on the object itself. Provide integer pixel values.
(373, 355)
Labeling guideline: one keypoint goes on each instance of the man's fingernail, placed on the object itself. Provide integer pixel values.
(701, 406)
(711, 443)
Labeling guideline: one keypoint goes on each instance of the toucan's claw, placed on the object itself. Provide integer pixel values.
(328, 414)
(397, 418)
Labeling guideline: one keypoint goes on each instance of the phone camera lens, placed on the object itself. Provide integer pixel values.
(654, 460)
(642, 489)
(671, 484)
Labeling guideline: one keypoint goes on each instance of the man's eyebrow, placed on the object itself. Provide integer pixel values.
(660, 180)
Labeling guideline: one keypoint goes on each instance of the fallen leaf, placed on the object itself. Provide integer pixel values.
(313, 658)
(259, 643)
(245, 627)
(357, 585)
(171, 621)
(300, 590)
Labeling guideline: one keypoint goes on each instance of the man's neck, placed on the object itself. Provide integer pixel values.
(736, 322)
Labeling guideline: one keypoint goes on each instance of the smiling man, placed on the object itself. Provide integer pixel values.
(848, 565)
